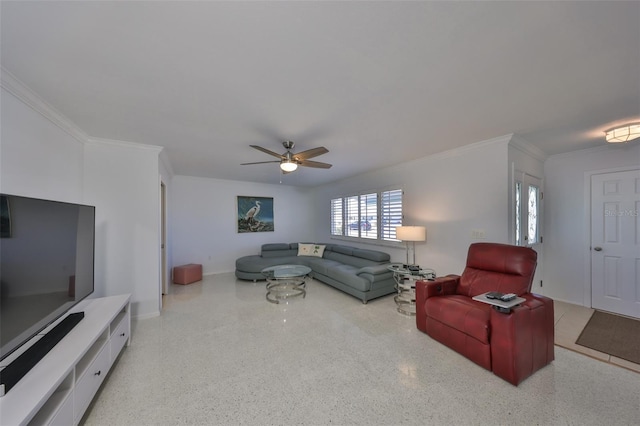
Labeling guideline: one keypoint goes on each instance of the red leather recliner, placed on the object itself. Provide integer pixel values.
(512, 345)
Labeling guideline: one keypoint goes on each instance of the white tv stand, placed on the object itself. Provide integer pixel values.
(59, 388)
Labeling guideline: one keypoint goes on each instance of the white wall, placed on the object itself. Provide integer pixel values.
(166, 177)
(451, 194)
(567, 218)
(121, 180)
(37, 158)
(203, 220)
(43, 155)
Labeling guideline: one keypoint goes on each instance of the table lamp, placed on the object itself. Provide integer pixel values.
(411, 234)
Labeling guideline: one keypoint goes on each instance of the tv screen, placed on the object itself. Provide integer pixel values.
(46, 264)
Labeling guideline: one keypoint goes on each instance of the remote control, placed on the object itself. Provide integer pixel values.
(494, 295)
(508, 297)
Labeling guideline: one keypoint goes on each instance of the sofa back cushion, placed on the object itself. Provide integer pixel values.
(498, 267)
(339, 257)
(343, 254)
(278, 250)
(373, 255)
(354, 256)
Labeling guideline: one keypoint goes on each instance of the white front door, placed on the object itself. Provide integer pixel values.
(615, 242)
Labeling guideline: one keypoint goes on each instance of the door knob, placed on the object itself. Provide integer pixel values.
(597, 248)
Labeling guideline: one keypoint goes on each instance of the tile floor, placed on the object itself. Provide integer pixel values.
(570, 320)
(220, 354)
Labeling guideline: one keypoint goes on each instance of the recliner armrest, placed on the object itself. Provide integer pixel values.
(439, 287)
(426, 289)
(522, 340)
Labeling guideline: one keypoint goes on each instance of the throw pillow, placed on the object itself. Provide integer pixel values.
(317, 250)
(304, 249)
(310, 249)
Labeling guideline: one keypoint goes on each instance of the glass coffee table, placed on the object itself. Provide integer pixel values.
(286, 281)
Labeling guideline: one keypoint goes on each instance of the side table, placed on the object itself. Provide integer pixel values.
(499, 305)
(406, 286)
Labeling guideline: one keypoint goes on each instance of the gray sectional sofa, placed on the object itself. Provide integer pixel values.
(360, 273)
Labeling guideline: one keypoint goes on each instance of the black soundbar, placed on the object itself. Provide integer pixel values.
(13, 372)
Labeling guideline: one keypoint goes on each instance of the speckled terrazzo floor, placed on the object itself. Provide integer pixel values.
(220, 354)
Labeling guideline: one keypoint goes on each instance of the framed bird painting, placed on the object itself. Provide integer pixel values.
(255, 214)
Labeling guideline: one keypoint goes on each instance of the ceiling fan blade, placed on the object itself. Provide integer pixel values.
(266, 151)
(315, 164)
(259, 162)
(310, 153)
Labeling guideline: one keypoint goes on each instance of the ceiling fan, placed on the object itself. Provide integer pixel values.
(290, 161)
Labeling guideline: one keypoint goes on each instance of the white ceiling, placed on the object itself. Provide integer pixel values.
(377, 83)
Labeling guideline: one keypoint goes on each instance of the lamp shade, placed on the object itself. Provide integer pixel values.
(411, 233)
(623, 134)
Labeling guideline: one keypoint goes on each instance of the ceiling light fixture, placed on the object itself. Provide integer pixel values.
(288, 166)
(623, 134)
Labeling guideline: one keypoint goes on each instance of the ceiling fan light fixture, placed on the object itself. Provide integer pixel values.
(623, 134)
(288, 166)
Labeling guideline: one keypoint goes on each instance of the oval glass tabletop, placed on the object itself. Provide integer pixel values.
(286, 271)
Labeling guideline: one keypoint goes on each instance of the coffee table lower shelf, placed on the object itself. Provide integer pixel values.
(285, 282)
(281, 289)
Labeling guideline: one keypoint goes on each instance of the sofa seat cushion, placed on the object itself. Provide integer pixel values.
(346, 274)
(463, 314)
(320, 265)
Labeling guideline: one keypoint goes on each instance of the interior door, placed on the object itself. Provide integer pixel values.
(615, 242)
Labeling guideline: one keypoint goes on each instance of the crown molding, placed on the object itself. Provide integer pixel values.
(466, 148)
(592, 150)
(124, 144)
(525, 146)
(30, 98)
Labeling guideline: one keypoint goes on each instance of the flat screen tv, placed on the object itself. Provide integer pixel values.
(46, 264)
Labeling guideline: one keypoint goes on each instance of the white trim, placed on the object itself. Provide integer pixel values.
(454, 152)
(526, 147)
(146, 316)
(586, 240)
(370, 191)
(369, 241)
(124, 144)
(30, 98)
(587, 151)
(466, 148)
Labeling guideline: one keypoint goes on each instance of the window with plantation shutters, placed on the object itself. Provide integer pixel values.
(336, 217)
(390, 214)
(351, 213)
(372, 216)
(368, 216)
